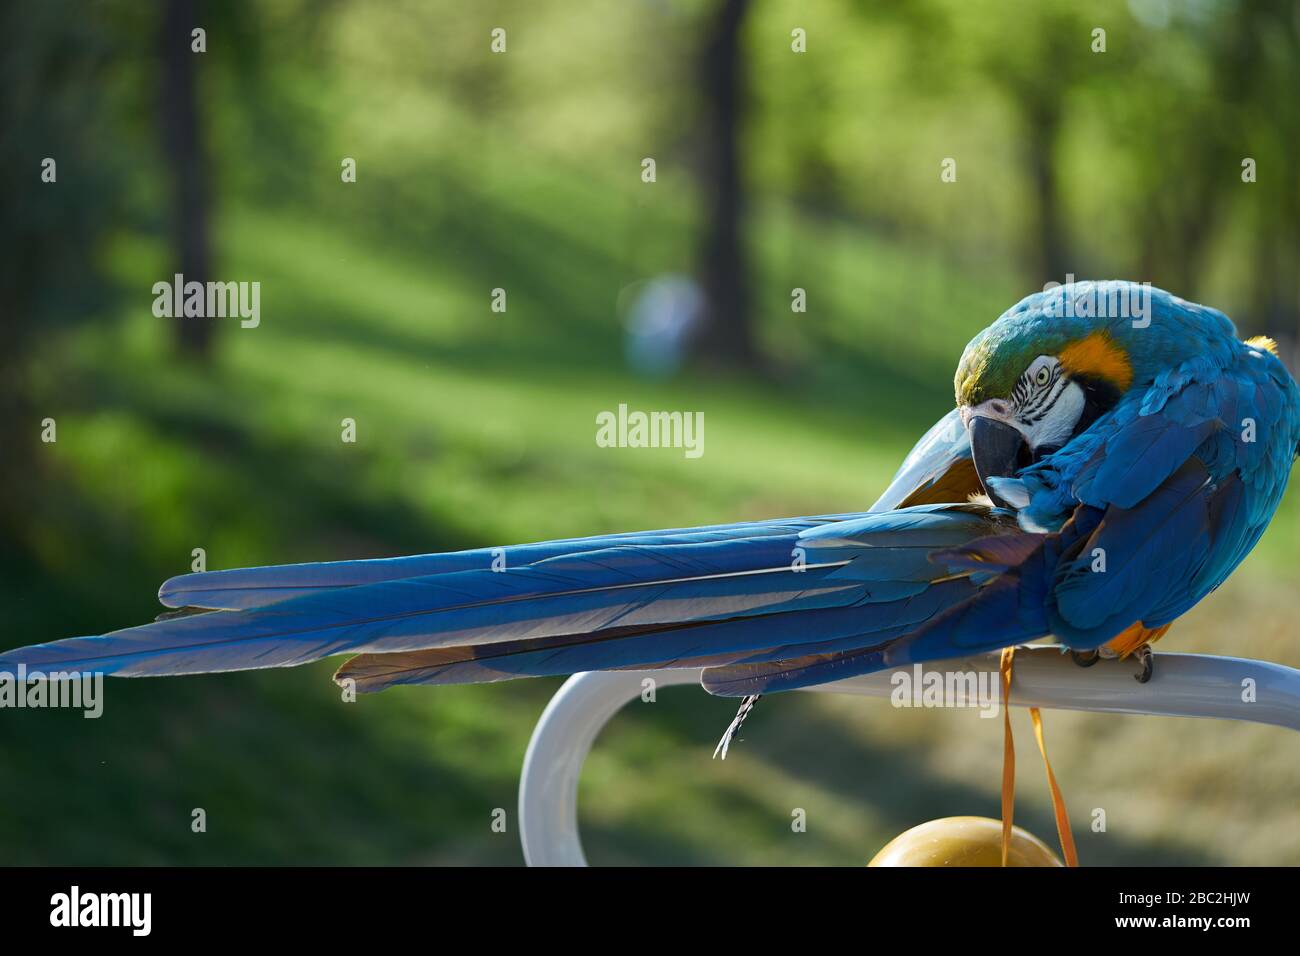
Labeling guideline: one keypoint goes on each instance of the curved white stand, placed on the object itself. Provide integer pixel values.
(1184, 685)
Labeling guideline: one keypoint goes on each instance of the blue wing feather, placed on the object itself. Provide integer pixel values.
(944, 445)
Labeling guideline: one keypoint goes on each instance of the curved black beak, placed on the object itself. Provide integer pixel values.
(995, 447)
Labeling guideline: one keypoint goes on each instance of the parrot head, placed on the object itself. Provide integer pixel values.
(1059, 359)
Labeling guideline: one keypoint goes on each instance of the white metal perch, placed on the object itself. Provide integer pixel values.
(1184, 685)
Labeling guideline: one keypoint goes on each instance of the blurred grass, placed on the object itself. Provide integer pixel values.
(477, 428)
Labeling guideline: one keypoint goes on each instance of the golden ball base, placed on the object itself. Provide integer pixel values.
(964, 841)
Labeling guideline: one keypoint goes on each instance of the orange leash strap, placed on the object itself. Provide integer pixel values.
(1058, 801)
(1008, 752)
(1009, 770)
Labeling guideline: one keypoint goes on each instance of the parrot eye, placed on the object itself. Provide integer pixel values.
(1042, 375)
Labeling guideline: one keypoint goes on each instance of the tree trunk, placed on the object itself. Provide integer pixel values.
(727, 337)
(1051, 261)
(183, 145)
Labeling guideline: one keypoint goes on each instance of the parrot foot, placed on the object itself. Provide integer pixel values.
(733, 728)
(1085, 658)
(1147, 660)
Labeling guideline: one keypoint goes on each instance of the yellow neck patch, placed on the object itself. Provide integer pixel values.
(1262, 342)
(1098, 355)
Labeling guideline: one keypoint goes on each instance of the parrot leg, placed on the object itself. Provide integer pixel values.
(1147, 660)
(733, 728)
(1085, 658)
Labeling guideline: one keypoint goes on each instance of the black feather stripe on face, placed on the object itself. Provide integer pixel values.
(1100, 395)
(1034, 402)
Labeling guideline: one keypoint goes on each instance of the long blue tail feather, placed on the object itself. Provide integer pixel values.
(623, 586)
(695, 644)
(792, 586)
(255, 587)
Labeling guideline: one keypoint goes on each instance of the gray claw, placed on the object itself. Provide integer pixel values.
(1147, 660)
(1085, 658)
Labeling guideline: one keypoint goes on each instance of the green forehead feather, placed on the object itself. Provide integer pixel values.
(994, 360)
(971, 372)
(987, 371)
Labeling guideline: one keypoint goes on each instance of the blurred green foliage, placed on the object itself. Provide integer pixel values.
(521, 171)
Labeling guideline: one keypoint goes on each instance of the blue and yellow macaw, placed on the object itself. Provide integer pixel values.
(1104, 469)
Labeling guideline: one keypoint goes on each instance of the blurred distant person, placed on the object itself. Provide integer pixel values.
(661, 323)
